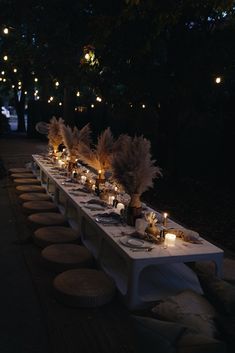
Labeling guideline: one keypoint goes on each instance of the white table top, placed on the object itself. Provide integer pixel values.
(181, 252)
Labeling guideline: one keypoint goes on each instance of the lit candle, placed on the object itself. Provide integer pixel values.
(93, 187)
(170, 239)
(111, 199)
(165, 215)
(115, 189)
(99, 173)
(120, 206)
(83, 179)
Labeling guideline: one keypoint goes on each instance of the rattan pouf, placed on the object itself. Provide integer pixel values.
(46, 219)
(38, 206)
(84, 288)
(29, 188)
(19, 170)
(22, 175)
(34, 196)
(54, 235)
(62, 257)
(30, 181)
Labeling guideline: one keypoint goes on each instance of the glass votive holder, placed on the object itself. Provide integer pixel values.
(170, 240)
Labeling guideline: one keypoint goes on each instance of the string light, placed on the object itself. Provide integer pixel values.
(57, 83)
(19, 83)
(4, 80)
(51, 98)
(15, 70)
(60, 103)
(5, 30)
(218, 80)
(25, 92)
(5, 58)
(87, 56)
(99, 99)
(37, 97)
(36, 79)
(3, 72)
(49, 101)
(143, 106)
(92, 106)
(78, 94)
(13, 86)
(0, 78)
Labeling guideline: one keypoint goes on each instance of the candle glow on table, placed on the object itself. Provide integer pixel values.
(170, 239)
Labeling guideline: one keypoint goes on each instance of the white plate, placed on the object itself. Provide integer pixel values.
(134, 242)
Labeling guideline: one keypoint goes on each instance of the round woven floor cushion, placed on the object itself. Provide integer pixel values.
(41, 219)
(29, 188)
(19, 170)
(84, 288)
(22, 175)
(62, 257)
(34, 196)
(54, 235)
(30, 181)
(38, 206)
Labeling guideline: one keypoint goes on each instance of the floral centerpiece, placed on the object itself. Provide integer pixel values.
(134, 169)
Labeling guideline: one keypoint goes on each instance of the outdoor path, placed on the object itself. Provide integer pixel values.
(22, 329)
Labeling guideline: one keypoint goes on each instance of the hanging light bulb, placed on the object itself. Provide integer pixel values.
(5, 30)
(78, 94)
(3, 72)
(15, 70)
(13, 86)
(99, 99)
(60, 103)
(5, 58)
(92, 106)
(218, 80)
(25, 92)
(4, 80)
(0, 78)
(36, 79)
(143, 106)
(57, 84)
(51, 98)
(19, 83)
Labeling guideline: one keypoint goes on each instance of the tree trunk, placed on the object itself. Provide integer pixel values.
(20, 111)
(68, 105)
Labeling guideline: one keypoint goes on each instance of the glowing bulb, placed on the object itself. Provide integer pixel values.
(99, 99)
(218, 80)
(92, 106)
(5, 58)
(0, 78)
(49, 101)
(78, 94)
(3, 72)
(60, 103)
(51, 98)
(143, 106)
(5, 30)
(36, 79)
(25, 92)
(57, 83)
(13, 86)
(15, 70)
(87, 56)
(4, 80)
(36, 91)
(19, 83)
(37, 97)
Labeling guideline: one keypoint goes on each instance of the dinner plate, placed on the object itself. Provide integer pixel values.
(94, 207)
(107, 220)
(134, 242)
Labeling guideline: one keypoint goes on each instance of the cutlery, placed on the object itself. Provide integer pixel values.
(144, 249)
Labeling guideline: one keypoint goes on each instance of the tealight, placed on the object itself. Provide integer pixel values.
(111, 199)
(170, 239)
(83, 179)
(120, 206)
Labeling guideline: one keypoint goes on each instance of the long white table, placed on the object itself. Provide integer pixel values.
(140, 276)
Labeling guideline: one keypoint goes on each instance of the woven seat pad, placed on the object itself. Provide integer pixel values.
(54, 235)
(34, 196)
(19, 170)
(39, 206)
(29, 188)
(22, 175)
(84, 288)
(46, 219)
(62, 257)
(30, 181)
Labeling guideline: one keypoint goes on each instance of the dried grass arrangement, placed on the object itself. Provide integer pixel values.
(134, 169)
(99, 157)
(54, 133)
(72, 138)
